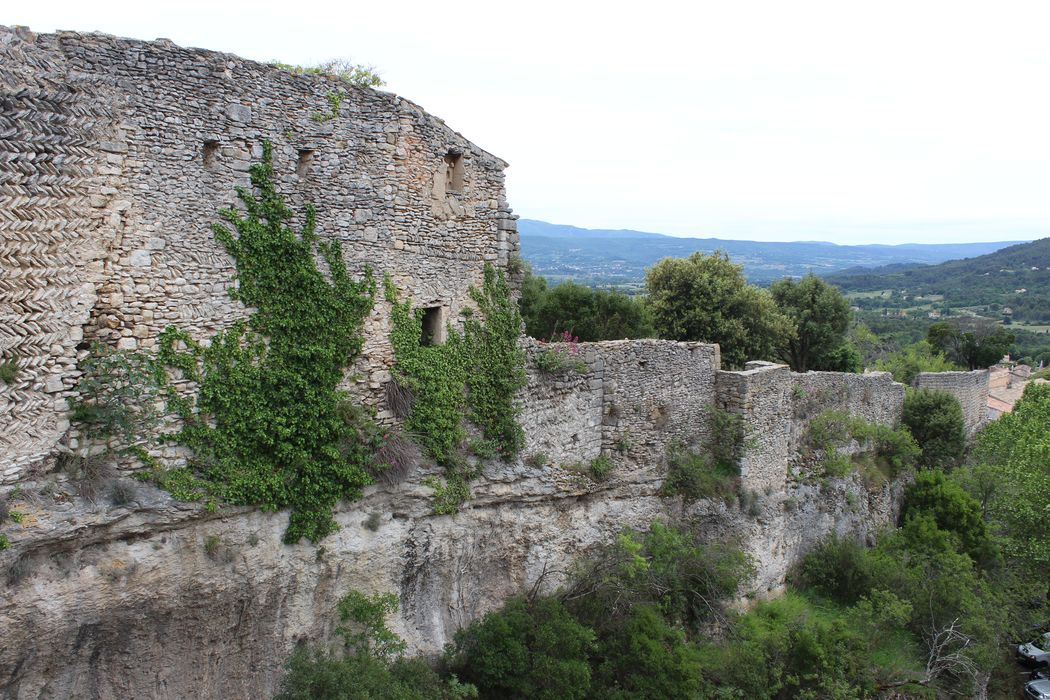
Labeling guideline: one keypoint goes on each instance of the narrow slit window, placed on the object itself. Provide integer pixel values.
(211, 154)
(306, 157)
(433, 326)
(454, 172)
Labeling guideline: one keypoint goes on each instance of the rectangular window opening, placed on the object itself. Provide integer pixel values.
(211, 154)
(306, 157)
(433, 326)
(454, 172)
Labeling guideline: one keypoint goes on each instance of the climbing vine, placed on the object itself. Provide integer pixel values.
(267, 424)
(476, 375)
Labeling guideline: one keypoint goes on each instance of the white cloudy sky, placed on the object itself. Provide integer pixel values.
(916, 121)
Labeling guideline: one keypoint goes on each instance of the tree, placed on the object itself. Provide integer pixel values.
(820, 315)
(913, 359)
(973, 343)
(935, 420)
(953, 510)
(589, 314)
(705, 297)
(1015, 450)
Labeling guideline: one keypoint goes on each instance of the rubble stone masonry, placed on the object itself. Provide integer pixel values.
(115, 157)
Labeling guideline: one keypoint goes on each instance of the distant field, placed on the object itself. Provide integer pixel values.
(1035, 328)
(870, 295)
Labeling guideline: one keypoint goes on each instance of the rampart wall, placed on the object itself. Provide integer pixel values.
(971, 388)
(633, 400)
(777, 405)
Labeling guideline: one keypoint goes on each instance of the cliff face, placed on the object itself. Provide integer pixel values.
(161, 600)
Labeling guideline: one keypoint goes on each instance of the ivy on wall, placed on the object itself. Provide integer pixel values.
(268, 425)
(474, 375)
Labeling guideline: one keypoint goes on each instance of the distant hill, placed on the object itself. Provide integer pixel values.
(620, 257)
(1016, 277)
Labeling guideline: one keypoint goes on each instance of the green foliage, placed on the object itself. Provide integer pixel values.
(477, 374)
(5, 542)
(371, 666)
(1015, 454)
(9, 370)
(268, 425)
(496, 362)
(705, 297)
(561, 356)
(529, 649)
(838, 569)
(935, 420)
(435, 374)
(972, 343)
(714, 471)
(890, 451)
(117, 395)
(913, 359)
(646, 658)
(687, 580)
(600, 467)
(586, 313)
(357, 74)
(335, 101)
(363, 627)
(696, 475)
(450, 495)
(820, 316)
(782, 649)
(953, 510)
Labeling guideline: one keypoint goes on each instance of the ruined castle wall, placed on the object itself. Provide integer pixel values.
(655, 393)
(562, 412)
(115, 158)
(51, 174)
(777, 405)
(631, 401)
(971, 388)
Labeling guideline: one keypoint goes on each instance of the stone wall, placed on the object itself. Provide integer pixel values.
(633, 399)
(971, 388)
(777, 404)
(116, 156)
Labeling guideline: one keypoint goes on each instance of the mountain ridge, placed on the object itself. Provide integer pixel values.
(614, 257)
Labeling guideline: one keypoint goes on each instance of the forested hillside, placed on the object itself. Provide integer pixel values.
(1013, 282)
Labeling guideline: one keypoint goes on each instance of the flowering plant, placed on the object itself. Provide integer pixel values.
(561, 355)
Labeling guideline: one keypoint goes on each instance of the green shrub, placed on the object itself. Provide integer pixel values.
(695, 476)
(528, 650)
(714, 471)
(838, 569)
(782, 650)
(688, 580)
(890, 450)
(371, 666)
(646, 658)
(9, 370)
(600, 467)
(117, 395)
(936, 421)
(953, 510)
(5, 542)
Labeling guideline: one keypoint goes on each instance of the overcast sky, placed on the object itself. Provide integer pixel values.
(888, 122)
